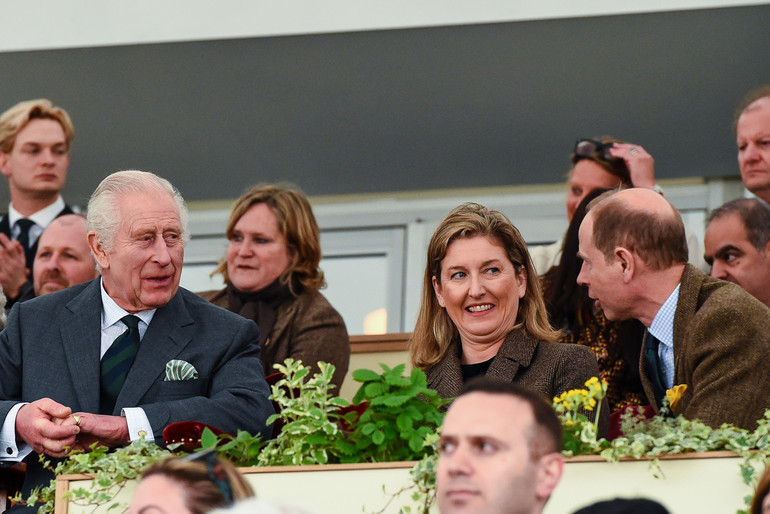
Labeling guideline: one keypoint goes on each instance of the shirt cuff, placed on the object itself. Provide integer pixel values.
(9, 451)
(138, 424)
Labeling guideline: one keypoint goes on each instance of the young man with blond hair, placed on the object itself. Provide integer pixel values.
(35, 139)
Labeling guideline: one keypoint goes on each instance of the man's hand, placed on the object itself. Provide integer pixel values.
(640, 164)
(108, 431)
(13, 266)
(41, 424)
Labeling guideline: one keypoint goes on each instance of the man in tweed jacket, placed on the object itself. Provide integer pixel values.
(703, 333)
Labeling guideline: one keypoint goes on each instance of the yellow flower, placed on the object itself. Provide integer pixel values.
(675, 394)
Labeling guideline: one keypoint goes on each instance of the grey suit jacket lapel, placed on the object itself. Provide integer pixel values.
(81, 338)
(165, 338)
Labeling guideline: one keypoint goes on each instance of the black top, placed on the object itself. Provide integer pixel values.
(475, 370)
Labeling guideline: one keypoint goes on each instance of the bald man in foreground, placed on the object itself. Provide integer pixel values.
(703, 333)
(63, 258)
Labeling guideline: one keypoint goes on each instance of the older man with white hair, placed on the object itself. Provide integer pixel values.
(119, 358)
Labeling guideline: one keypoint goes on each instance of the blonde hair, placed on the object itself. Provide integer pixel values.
(435, 330)
(297, 224)
(17, 117)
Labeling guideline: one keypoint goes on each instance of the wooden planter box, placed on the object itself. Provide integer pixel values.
(705, 482)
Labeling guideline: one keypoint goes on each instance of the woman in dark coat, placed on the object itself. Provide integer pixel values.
(272, 276)
(482, 313)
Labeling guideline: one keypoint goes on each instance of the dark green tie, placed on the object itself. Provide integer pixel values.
(24, 225)
(117, 361)
(653, 364)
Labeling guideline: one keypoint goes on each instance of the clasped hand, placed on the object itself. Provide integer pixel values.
(13, 266)
(52, 428)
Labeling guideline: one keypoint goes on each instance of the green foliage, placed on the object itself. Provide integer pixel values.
(422, 488)
(661, 435)
(402, 412)
(111, 470)
(241, 450)
(580, 434)
(399, 423)
(643, 438)
(309, 414)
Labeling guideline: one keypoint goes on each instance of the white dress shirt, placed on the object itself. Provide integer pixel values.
(41, 218)
(111, 329)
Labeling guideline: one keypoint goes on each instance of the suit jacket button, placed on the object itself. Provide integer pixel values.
(9, 450)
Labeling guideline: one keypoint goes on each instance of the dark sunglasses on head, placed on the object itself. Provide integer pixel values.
(588, 148)
(216, 472)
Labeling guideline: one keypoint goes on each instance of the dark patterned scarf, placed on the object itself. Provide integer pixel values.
(261, 306)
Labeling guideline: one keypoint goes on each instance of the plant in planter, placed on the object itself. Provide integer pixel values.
(642, 438)
(310, 415)
(402, 412)
(111, 470)
(393, 419)
(580, 434)
(389, 420)
(400, 422)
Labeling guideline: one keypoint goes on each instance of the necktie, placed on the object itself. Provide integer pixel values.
(117, 361)
(653, 367)
(24, 225)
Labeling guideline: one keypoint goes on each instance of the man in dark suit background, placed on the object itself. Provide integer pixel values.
(708, 336)
(62, 384)
(63, 257)
(35, 139)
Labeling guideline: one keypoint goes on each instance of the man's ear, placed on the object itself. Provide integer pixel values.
(549, 470)
(437, 290)
(627, 262)
(100, 256)
(3, 163)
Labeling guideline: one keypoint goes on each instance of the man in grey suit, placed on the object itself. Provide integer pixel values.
(122, 357)
(708, 337)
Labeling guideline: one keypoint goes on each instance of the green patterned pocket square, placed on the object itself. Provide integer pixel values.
(180, 370)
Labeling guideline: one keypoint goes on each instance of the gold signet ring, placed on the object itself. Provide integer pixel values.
(77, 419)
